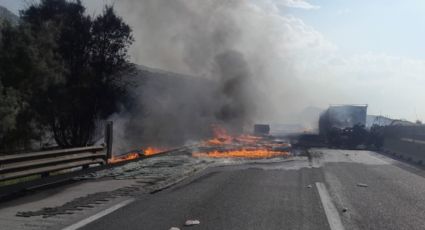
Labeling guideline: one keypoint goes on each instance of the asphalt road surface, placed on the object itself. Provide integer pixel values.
(335, 189)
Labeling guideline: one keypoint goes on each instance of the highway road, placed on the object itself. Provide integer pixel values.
(331, 189)
(335, 189)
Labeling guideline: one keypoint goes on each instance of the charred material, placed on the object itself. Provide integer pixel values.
(261, 129)
(224, 145)
(341, 117)
(343, 126)
(308, 140)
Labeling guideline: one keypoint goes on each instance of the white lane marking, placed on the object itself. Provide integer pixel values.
(331, 212)
(99, 215)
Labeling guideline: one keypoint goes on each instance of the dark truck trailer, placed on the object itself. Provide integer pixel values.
(343, 125)
(342, 116)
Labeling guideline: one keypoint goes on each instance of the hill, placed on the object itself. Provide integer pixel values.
(6, 15)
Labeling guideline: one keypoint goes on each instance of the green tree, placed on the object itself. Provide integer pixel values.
(9, 109)
(93, 52)
(27, 68)
(61, 72)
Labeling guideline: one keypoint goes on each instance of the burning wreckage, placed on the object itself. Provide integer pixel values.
(168, 166)
(223, 145)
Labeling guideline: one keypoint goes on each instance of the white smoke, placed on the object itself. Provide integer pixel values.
(291, 65)
(185, 36)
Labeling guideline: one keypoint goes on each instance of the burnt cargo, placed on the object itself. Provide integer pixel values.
(261, 129)
(341, 117)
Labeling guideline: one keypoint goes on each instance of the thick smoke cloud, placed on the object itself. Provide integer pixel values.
(293, 68)
(236, 107)
(234, 62)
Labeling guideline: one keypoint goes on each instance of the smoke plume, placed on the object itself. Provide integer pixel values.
(233, 65)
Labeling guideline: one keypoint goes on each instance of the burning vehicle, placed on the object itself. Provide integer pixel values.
(343, 126)
(342, 116)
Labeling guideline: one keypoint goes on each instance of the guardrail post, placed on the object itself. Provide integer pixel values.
(108, 139)
(48, 162)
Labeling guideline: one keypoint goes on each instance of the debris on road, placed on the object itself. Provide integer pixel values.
(149, 175)
(362, 185)
(155, 170)
(158, 168)
(309, 186)
(191, 222)
(344, 210)
(174, 228)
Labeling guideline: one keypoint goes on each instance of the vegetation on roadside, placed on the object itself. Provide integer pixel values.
(60, 73)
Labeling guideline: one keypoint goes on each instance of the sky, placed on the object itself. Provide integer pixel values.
(392, 27)
(353, 51)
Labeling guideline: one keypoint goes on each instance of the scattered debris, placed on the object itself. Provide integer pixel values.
(344, 210)
(362, 185)
(225, 145)
(191, 222)
(309, 186)
(152, 170)
(174, 228)
(150, 175)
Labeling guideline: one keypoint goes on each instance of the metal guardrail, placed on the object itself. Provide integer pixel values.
(44, 163)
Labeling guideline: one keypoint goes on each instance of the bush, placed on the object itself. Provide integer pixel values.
(62, 70)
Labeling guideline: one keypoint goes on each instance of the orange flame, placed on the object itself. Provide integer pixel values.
(134, 155)
(152, 151)
(242, 146)
(220, 136)
(126, 157)
(243, 153)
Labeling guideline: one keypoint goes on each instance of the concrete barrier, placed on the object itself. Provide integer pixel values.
(404, 148)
